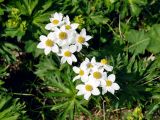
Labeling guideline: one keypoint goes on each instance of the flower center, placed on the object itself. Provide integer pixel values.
(104, 61)
(108, 83)
(49, 43)
(68, 27)
(88, 87)
(67, 53)
(63, 35)
(55, 22)
(89, 65)
(81, 72)
(81, 39)
(97, 75)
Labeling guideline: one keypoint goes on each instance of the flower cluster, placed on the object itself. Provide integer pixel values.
(94, 76)
(63, 38)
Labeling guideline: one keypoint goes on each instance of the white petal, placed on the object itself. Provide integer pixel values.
(86, 44)
(83, 32)
(108, 67)
(87, 95)
(79, 47)
(103, 83)
(63, 60)
(76, 69)
(116, 86)
(55, 49)
(112, 77)
(47, 50)
(74, 58)
(104, 91)
(95, 91)
(43, 38)
(79, 93)
(79, 87)
(84, 79)
(41, 45)
(69, 60)
(88, 37)
(76, 78)
(51, 35)
(74, 26)
(93, 60)
(111, 90)
(56, 15)
(73, 48)
(49, 26)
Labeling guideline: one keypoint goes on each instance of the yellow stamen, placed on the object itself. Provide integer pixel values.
(68, 27)
(81, 39)
(55, 22)
(108, 83)
(49, 43)
(63, 35)
(89, 65)
(88, 87)
(67, 53)
(104, 61)
(97, 75)
(81, 72)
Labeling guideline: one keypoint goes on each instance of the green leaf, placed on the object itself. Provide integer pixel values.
(138, 41)
(30, 46)
(154, 34)
(60, 105)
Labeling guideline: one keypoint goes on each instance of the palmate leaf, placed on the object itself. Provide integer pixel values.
(154, 34)
(30, 5)
(139, 41)
(10, 109)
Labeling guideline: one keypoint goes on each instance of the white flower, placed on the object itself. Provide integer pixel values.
(89, 64)
(68, 25)
(81, 39)
(87, 89)
(82, 73)
(64, 37)
(56, 20)
(97, 75)
(104, 64)
(67, 54)
(48, 43)
(109, 85)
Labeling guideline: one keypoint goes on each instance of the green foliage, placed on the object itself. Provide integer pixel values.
(11, 109)
(126, 32)
(141, 40)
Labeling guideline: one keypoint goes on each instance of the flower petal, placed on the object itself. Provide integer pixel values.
(51, 35)
(104, 90)
(74, 58)
(116, 86)
(87, 95)
(49, 26)
(73, 48)
(47, 50)
(79, 47)
(69, 60)
(76, 69)
(76, 78)
(63, 60)
(112, 77)
(83, 32)
(74, 26)
(43, 38)
(111, 90)
(41, 45)
(95, 91)
(55, 49)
